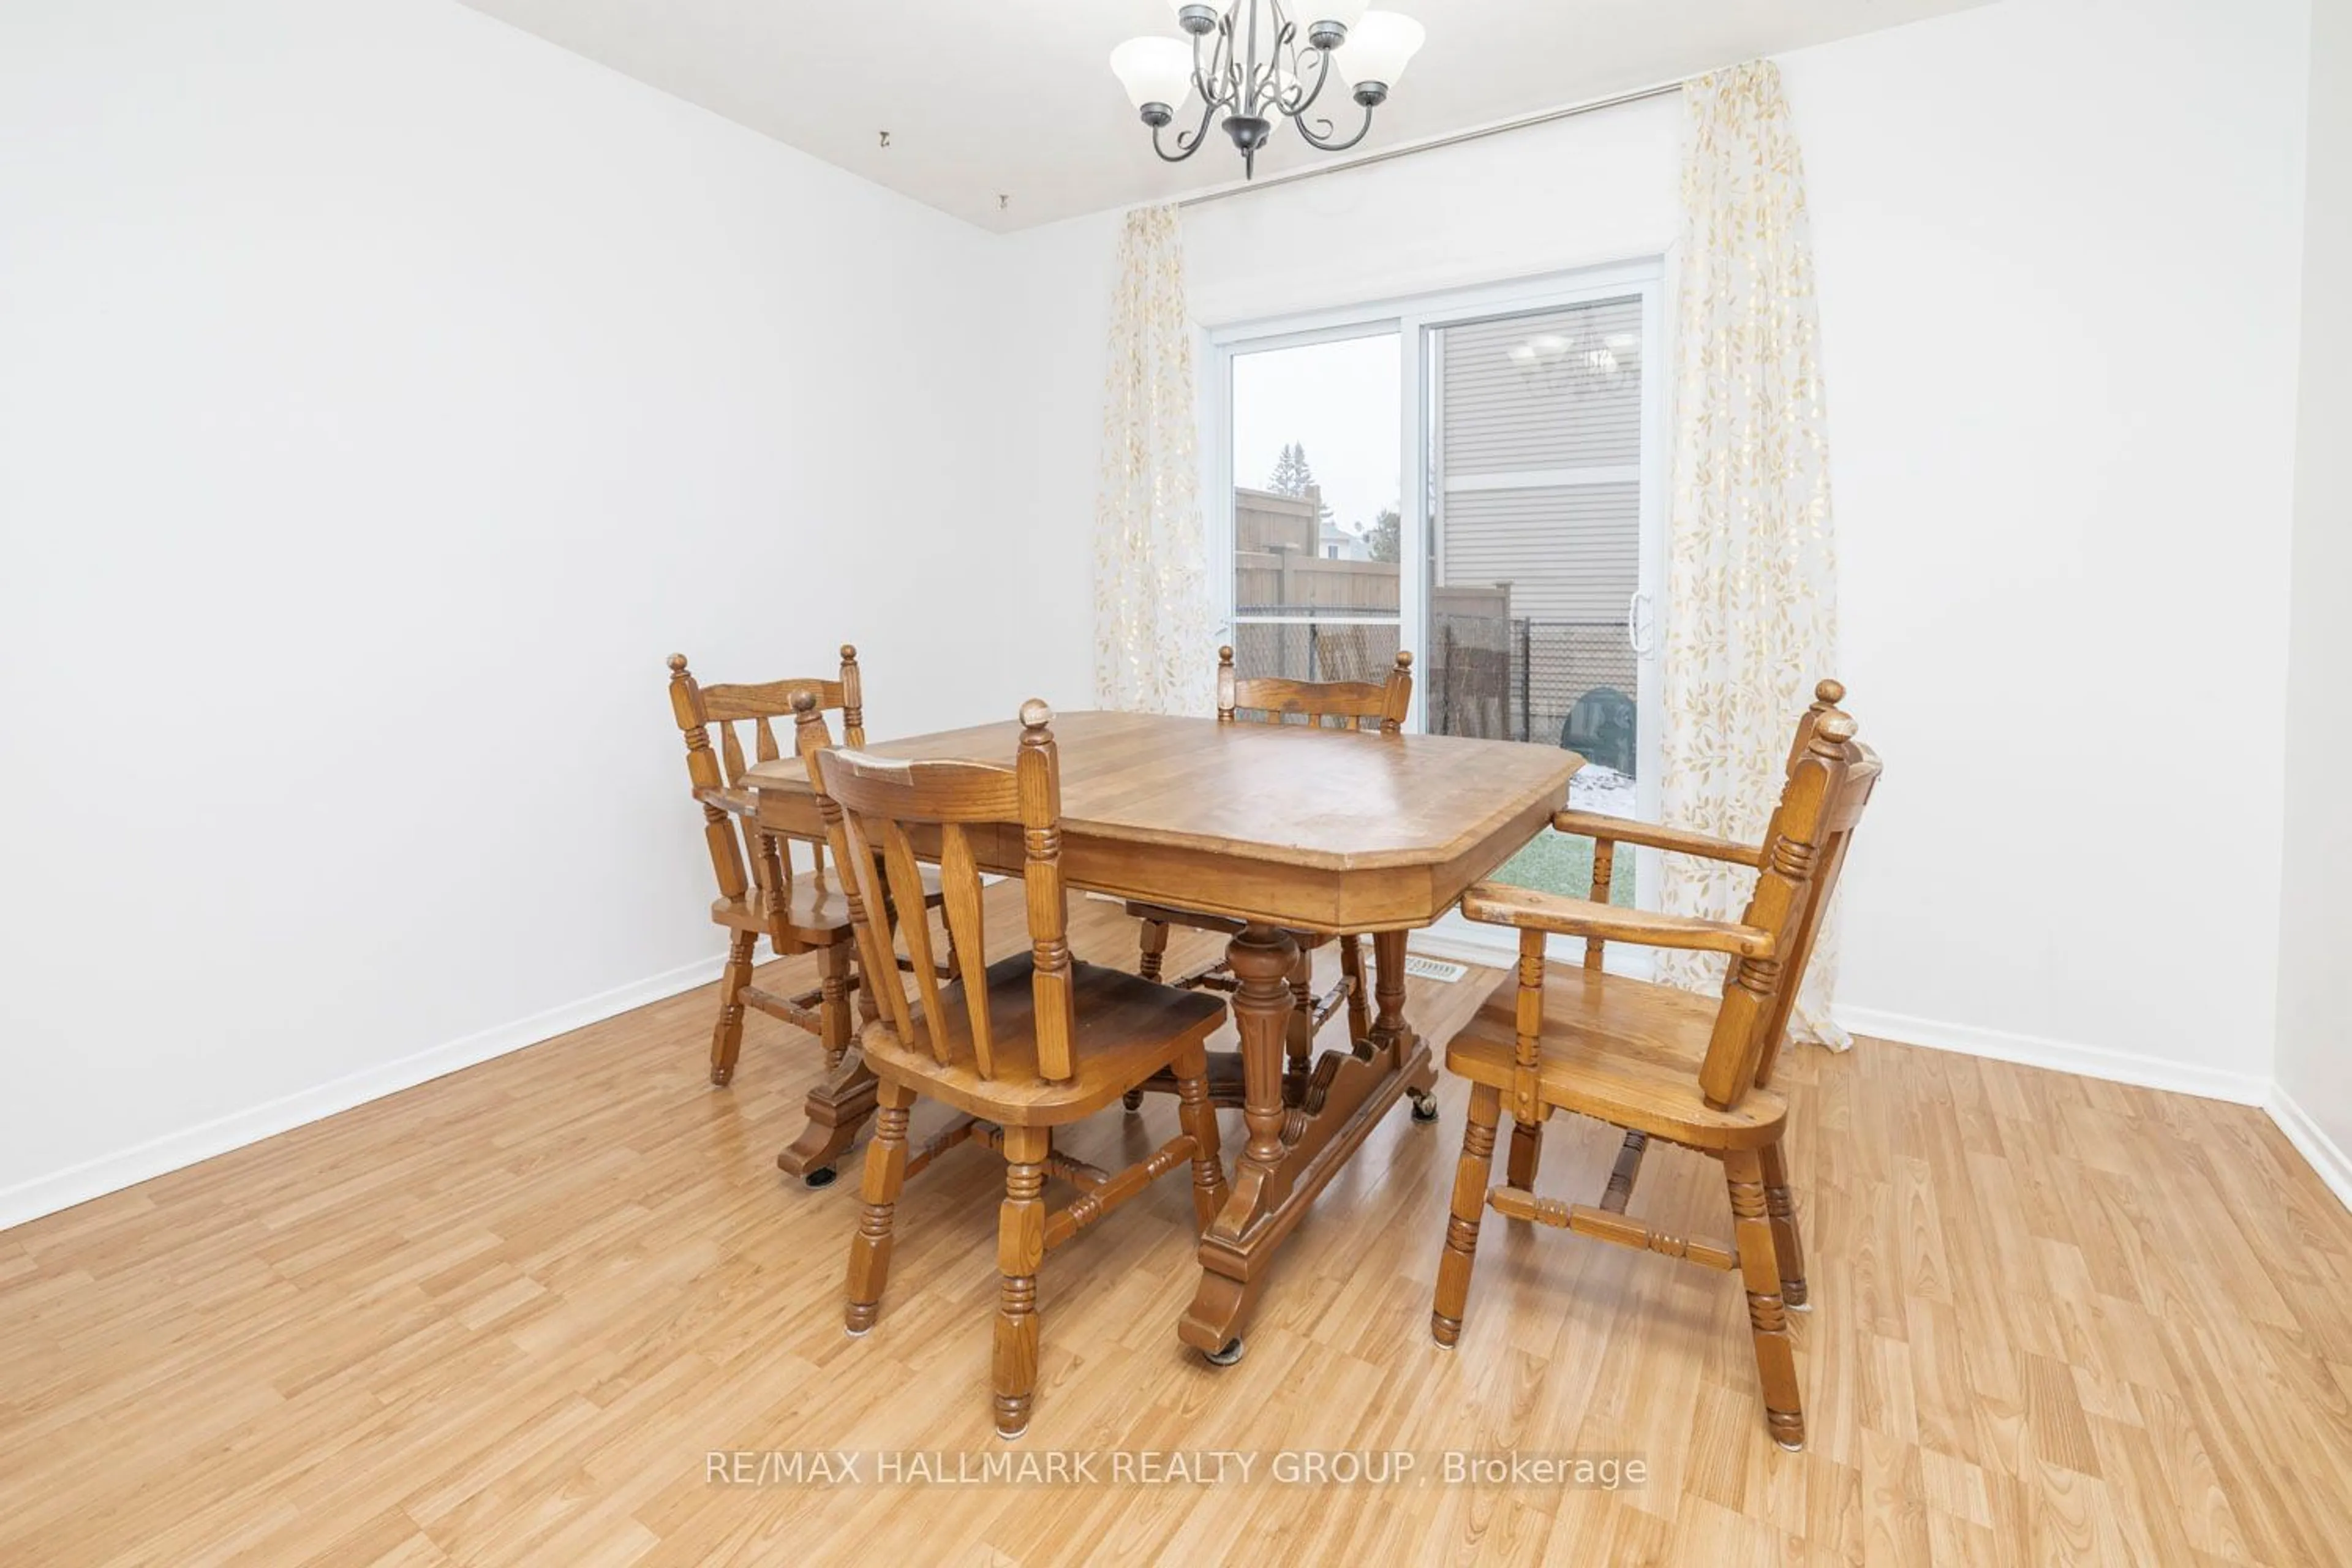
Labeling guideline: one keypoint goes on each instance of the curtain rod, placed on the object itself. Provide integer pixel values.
(1616, 100)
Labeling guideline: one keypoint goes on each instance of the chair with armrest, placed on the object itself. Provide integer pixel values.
(1020, 1046)
(797, 911)
(1607, 833)
(1660, 1063)
(1374, 707)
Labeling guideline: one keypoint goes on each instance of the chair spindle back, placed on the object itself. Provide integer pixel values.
(879, 811)
(700, 708)
(1353, 704)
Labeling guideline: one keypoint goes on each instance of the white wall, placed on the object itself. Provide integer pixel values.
(1056, 292)
(384, 395)
(2059, 243)
(2314, 1065)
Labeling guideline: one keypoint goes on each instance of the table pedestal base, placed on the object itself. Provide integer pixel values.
(836, 1109)
(1293, 1149)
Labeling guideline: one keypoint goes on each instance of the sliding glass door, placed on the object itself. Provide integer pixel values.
(1476, 476)
(1539, 614)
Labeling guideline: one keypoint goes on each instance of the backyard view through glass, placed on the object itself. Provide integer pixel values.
(1533, 552)
(1316, 457)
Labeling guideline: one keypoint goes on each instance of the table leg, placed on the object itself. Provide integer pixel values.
(836, 1109)
(1262, 959)
(1275, 1178)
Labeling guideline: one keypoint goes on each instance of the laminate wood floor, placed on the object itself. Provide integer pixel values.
(507, 1316)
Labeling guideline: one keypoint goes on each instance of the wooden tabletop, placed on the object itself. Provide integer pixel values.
(1316, 829)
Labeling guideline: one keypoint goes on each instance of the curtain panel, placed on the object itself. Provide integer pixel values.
(1154, 628)
(1751, 619)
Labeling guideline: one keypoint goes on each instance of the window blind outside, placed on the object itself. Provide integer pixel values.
(1537, 457)
(1569, 553)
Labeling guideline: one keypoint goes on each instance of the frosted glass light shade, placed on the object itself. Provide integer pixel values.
(1377, 47)
(1153, 71)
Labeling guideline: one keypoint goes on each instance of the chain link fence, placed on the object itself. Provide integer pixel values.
(1557, 683)
(1315, 650)
(1561, 683)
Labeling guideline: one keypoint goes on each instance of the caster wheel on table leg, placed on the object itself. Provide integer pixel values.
(1228, 1356)
(1424, 1106)
(821, 1177)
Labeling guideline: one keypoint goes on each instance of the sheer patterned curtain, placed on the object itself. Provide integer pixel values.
(1154, 629)
(1751, 620)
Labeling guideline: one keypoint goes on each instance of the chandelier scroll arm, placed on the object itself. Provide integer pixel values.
(1332, 146)
(1307, 95)
(1217, 69)
(1187, 142)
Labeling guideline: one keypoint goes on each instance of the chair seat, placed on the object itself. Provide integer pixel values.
(816, 914)
(1127, 1028)
(1624, 1051)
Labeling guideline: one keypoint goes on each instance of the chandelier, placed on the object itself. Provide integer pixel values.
(1247, 60)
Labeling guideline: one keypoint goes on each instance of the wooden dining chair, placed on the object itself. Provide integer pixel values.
(798, 911)
(1378, 706)
(1019, 1047)
(1660, 1063)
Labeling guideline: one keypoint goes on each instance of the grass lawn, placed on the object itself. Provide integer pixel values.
(1562, 863)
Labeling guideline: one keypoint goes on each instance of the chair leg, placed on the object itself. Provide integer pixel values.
(1788, 1245)
(1776, 1353)
(1152, 948)
(1469, 1202)
(1359, 1001)
(869, 1004)
(1020, 1247)
(1199, 1119)
(1526, 1153)
(1298, 1045)
(833, 1006)
(886, 1174)
(727, 1039)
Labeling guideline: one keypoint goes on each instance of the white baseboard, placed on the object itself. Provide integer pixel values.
(2334, 1167)
(111, 1172)
(126, 1167)
(2028, 1050)
(2059, 1056)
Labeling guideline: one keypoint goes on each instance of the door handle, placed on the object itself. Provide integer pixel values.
(1640, 625)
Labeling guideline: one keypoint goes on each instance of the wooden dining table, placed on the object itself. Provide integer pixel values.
(1286, 828)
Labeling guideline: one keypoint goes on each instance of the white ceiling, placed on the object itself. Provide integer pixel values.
(986, 99)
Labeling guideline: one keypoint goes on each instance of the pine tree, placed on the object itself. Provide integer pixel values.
(1291, 474)
(1387, 535)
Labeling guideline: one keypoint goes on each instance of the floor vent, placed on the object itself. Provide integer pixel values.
(1434, 969)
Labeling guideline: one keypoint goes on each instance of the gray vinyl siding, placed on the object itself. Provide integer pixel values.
(1570, 552)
